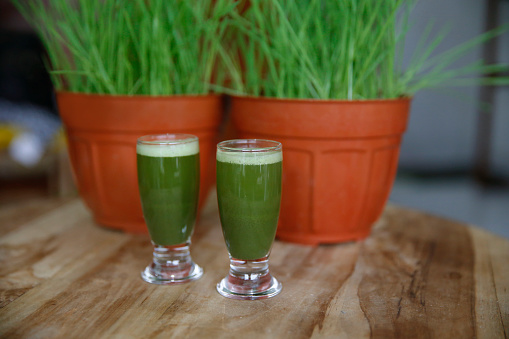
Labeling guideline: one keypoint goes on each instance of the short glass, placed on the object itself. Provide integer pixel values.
(249, 195)
(169, 182)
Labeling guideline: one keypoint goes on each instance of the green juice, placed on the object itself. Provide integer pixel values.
(249, 196)
(169, 183)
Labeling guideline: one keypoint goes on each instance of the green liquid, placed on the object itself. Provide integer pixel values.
(249, 197)
(169, 196)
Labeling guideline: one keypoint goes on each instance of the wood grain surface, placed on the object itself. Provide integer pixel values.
(416, 276)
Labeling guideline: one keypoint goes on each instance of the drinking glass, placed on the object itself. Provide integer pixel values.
(249, 196)
(169, 181)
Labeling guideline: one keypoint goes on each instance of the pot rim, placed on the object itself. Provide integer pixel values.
(139, 96)
(317, 101)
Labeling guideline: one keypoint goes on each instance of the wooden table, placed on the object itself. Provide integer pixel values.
(416, 276)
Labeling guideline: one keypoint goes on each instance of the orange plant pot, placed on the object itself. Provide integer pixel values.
(102, 131)
(339, 161)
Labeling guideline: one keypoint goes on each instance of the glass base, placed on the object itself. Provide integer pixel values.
(171, 265)
(249, 280)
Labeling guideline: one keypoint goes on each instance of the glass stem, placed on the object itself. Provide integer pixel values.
(249, 276)
(171, 264)
(171, 258)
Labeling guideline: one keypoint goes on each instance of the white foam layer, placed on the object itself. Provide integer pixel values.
(249, 158)
(169, 150)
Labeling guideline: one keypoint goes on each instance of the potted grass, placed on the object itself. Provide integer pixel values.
(123, 69)
(326, 79)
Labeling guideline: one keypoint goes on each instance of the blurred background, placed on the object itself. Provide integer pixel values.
(454, 158)
(455, 154)
(33, 159)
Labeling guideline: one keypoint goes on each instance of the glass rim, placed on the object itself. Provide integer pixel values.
(166, 139)
(276, 146)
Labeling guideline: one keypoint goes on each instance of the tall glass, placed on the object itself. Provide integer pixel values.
(249, 196)
(169, 181)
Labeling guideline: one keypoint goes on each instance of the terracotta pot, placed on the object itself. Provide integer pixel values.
(339, 161)
(102, 132)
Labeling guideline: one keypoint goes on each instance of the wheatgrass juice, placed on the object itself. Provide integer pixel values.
(249, 195)
(169, 181)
